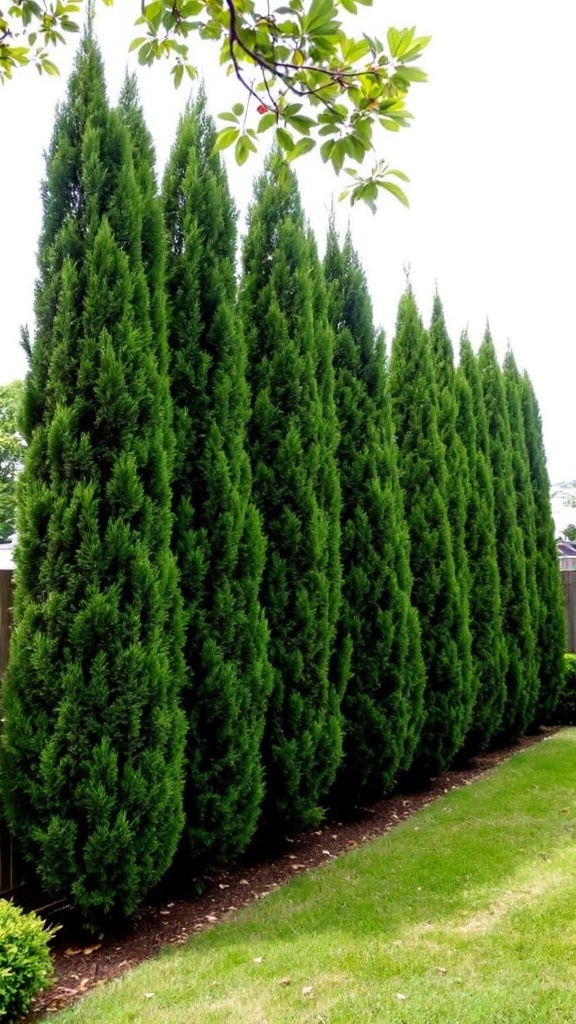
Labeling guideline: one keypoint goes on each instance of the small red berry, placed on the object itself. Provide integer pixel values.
(262, 109)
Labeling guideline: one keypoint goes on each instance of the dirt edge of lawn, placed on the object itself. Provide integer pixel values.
(79, 967)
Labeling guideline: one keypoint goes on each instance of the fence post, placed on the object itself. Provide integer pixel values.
(5, 617)
(568, 574)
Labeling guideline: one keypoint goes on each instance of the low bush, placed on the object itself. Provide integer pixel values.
(566, 710)
(25, 964)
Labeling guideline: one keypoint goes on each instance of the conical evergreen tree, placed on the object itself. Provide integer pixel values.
(526, 515)
(383, 703)
(435, 593)
(92, 747)
(293, 438)
(458, 484)
(218, 536)
(153, 244)
(488, 645)
(517, 624)
(551, 630)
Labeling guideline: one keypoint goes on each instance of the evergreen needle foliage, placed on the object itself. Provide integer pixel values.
(488, 645)
(217, 537)
(526, 513)
(517, 623)
(458, 485)
(293, 438)
(551, 629)
(92, 746)
(435, 593)
(152, 240)
(383, 702)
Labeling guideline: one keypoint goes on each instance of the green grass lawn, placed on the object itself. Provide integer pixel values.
(463, 914)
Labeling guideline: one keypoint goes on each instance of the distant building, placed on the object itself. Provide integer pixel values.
(7, 554)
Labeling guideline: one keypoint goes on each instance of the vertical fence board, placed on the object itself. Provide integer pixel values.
(5, 616)
(569, 588)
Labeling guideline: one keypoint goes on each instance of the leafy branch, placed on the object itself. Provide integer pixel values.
(306, 79)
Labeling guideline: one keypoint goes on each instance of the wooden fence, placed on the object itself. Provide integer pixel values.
(568, 574)
(11, 875)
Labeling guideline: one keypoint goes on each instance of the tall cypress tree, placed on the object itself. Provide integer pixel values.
(153, 245)
(517, 625)
(435, 593)
(551, 630)
(526, 514)
(488, 644)
(92, 746)
(218, 536)
(293, 438)
(458, 484)
(383, 702)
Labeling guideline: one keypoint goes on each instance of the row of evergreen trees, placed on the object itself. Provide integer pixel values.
(260, 572)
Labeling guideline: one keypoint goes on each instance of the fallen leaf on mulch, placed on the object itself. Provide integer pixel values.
(86, 950)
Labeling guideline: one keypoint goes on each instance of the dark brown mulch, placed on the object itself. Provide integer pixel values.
(80, 967)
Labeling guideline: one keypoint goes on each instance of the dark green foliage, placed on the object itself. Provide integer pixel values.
(526, 514)
(516, 612)
(92, 747)
(457, 489)
(435, 592)
(153, 246)
(25, 963)
(383, 703)
(488, 645)
(565, 709)
(293, 438)
(217, 536)
(551, 626)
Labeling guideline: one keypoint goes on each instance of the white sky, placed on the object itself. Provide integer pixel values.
(492, 161)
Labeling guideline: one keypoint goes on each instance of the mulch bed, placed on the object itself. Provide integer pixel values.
(79, 967)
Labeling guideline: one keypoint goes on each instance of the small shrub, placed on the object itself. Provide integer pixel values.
(25, 964)
(566, 709)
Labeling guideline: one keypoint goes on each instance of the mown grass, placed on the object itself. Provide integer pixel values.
(463, 914)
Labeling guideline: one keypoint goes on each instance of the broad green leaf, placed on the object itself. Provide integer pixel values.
(284, 139)
(301, 124)
(320, 14)
(398, 174)
(300, 149)
(338, 154)
(408, 75)
(153, 9)
(395, 189)
(326, 150)
(136, 42)
(49, 67)
(266, 121)
(225, 138)
(242, 149)
(290, 108)
(354, 49)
